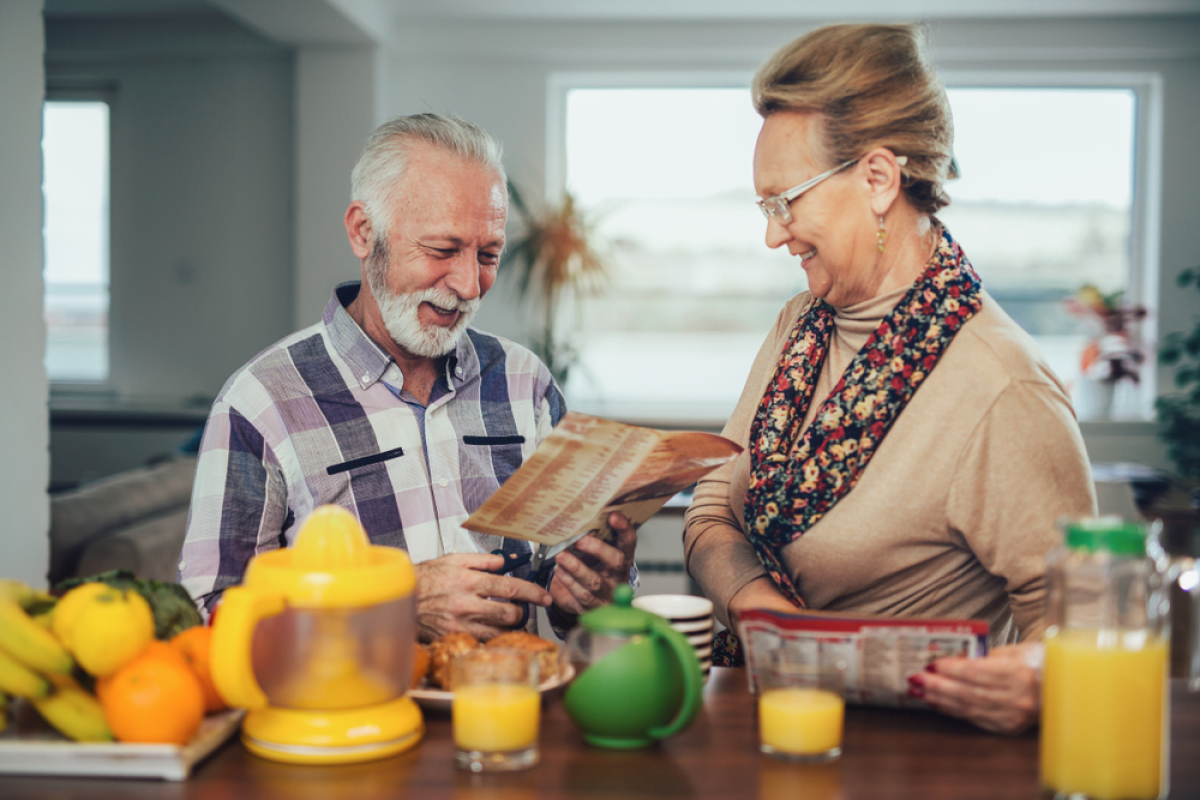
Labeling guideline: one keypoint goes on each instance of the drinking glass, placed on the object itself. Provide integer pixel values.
(800, 707)
(496, 710)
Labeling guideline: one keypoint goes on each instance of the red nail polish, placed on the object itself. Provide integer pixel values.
(931, 667)
(916, 681)
(916, 691)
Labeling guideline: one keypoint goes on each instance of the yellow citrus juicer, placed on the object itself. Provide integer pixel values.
(317, 643)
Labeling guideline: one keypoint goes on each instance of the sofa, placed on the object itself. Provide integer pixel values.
(132, 520)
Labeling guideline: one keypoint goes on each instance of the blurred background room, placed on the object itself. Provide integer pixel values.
(173, 175)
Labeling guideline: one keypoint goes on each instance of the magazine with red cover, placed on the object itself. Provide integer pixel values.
(879, 654)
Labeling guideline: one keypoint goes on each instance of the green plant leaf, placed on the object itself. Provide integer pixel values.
(1192, 345)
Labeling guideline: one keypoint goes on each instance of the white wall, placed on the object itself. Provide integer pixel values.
(497, 73)
(201, 181)
(24, 430)
(335, 112)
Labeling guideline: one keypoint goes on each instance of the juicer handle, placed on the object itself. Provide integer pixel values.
(689, 665)
(232, 636)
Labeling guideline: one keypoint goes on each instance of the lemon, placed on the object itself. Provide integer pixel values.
(62, 618)
(111, 628)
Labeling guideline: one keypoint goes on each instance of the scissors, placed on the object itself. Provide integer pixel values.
(542, 562)
(541, 559)
(543, 569)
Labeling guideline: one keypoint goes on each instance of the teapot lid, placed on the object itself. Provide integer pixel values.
(333, 564)
(620, 616)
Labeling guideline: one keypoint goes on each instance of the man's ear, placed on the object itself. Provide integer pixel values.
(883, 179)
(359, 229)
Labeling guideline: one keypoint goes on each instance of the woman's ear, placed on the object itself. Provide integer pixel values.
(883, 179)
(359, 229)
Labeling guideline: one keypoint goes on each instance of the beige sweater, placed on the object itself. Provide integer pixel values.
(953, 515)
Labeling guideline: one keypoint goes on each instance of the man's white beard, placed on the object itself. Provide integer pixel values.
(400, 311)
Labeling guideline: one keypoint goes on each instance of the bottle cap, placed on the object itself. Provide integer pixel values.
(1112, 534)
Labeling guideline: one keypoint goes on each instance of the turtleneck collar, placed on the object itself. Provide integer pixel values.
(855, 323)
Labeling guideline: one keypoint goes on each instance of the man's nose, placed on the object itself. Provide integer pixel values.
(463, 276)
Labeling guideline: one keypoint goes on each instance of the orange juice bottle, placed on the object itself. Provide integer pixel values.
(1105, 691)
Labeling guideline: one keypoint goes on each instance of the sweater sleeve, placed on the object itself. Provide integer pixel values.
(1023, 467)
(717, 553)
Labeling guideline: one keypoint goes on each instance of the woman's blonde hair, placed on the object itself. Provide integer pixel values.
(873, 86)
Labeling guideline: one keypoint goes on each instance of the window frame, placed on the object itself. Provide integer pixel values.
(104, 92)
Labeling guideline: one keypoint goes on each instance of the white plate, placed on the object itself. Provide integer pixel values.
(49, 753)
(440, 700)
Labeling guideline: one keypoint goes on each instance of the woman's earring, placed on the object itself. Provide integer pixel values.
(880, 235)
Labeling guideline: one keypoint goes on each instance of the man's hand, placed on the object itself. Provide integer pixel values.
(458, 593)
(589, 570)
(999, 693)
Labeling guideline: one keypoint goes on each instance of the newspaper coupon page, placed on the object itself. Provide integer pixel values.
(589, 467)
(879, 653)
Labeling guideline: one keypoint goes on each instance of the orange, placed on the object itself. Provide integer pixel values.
(193, 644)
(156, 697)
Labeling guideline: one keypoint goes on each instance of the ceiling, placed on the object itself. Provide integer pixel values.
(332, 21)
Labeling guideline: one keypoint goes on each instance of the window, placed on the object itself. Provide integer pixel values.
(75, 156)
(1044, 206)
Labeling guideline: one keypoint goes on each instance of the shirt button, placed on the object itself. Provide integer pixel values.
(443, 482)
(458, 371)
(366, 378)
(182, 563)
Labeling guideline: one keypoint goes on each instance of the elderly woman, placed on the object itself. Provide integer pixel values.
(907, 448)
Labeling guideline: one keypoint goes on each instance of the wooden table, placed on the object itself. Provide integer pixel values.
(888, 754)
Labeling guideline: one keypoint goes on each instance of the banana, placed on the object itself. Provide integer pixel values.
(74, 712)
(25, 596)
(29, 642)
(19, 680)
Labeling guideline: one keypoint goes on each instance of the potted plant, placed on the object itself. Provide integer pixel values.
(1179, 413)
(554, 257)
(1113, 354)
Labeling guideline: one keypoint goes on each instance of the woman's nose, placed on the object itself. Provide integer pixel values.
(777, 233)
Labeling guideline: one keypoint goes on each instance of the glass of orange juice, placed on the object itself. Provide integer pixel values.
(800, 707)
(496, 710)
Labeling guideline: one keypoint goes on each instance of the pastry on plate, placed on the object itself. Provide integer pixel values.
(545, 651)
(442, 652)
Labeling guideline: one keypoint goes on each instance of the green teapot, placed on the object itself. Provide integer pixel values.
(638, 679)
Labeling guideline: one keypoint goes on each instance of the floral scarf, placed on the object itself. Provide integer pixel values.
(795, 479)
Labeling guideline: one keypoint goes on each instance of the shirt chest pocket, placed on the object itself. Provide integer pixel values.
(359, 464)
(495, 456)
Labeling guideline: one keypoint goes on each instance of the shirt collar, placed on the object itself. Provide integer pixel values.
(367, 360)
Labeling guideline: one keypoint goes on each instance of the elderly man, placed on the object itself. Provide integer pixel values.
(393, 407)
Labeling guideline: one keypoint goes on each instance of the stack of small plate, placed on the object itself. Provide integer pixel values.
(690, 615)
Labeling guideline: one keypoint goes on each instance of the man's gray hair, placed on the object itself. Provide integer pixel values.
(385, 158)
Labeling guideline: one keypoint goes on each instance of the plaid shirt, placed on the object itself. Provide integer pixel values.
(321, 417)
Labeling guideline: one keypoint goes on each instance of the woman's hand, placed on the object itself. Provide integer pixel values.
(758, 593)
(1000, 692)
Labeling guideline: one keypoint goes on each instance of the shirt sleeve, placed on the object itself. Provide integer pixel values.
(1023, 468)
(238, 509)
